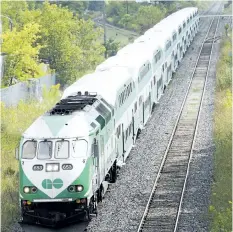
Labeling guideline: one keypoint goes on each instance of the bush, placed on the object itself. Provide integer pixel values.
(221, 206)
(224, 67)
(14, 123)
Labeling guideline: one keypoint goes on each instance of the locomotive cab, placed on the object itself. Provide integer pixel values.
(49, 187)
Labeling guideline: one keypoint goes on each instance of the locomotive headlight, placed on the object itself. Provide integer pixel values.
(79, 188)
(71, 188)
(52, 167)
(34, 189)
(26, 189)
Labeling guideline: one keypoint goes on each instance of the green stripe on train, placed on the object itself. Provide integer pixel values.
(84, 179)
(24, 181)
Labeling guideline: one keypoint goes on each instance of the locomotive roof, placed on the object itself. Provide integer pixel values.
(57, 126)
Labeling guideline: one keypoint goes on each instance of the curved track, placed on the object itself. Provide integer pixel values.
(164, 204)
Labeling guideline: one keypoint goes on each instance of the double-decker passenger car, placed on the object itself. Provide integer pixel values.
(68, 156)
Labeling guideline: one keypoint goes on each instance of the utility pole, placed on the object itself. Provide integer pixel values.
(104, 22)
(127, 6)
(10, 20)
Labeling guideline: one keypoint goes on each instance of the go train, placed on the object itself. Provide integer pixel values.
(69, 155)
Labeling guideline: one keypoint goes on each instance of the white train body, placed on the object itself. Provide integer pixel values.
(113, 105)
(148, 64)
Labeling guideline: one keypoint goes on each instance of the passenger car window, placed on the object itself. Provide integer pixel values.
(29, 150)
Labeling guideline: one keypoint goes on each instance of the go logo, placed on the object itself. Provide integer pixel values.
(49, 184)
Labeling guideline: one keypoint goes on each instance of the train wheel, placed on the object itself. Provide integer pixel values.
(100, 195)
(153, 108)
(87, 217)
(93, 206)
(164, 88)
(138, 132)
(113, 173)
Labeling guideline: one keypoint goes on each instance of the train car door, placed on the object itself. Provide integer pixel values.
(141, 111)
(96, 176)
(102, 157)
(133, 127)
(123, 141)
(169, 73)
(150, 103)
(166, 73)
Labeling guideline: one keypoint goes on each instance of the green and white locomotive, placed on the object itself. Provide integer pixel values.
(69, 155)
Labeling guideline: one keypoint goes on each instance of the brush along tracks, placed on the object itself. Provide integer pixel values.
(164, 204)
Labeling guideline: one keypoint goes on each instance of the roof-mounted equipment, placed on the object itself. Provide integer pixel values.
(73, 103)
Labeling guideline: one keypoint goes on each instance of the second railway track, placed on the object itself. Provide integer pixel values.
(164, 204)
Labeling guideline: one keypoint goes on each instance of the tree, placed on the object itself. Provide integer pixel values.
(148, 16)
(75, 6)
(22, 53)
(226, 27)
(95, 5)
(13, 10)
(126, 21)
(111, 47)
(72, 45)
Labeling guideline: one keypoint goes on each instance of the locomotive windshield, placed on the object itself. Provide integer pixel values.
(29, 150)
(45, 150)
(58, 149)
(62, 149)
(79, 148)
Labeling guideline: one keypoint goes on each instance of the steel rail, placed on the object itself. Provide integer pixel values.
(143, 220)
(196, 128)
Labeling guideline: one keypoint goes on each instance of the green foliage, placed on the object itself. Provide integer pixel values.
(71, 45)
(221, 206)
(55, 34)
(14, 11)
(95, 5)
(226, 28)
(122, 14)
(148, 16)
(134, 16)
(14, 123)
(75, 6)
(21, 54)
(141, 16)
(111, 47)
(224, 67)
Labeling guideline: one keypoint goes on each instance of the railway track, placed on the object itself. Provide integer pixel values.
(79, 226)
(164, 204)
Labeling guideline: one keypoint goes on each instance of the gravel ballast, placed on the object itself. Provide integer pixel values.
(124, 205)
(194, 214)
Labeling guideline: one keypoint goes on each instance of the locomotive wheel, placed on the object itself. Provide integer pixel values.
(100, 193)
(113, 173)
(87, 217)
(93, 207)
(164, 88)
(138, 133)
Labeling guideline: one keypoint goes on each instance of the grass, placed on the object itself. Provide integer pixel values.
(203, 5)
(120, 35)
(221, 203)
(228, 9)
(15, 120)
